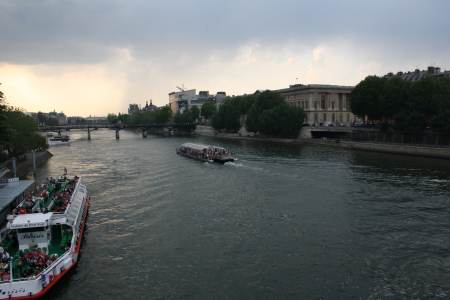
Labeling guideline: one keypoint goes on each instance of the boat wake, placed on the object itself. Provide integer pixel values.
(234, 164)
(439, 180)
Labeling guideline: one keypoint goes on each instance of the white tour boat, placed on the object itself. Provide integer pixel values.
(58, 140)
(207, 153)
(41, 241)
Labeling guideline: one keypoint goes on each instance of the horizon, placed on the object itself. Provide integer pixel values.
(97, 57)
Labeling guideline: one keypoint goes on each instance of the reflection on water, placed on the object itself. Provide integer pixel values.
(281, 222)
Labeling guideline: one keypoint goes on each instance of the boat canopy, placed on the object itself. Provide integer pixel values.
(73, 210)
(30, 220)
(198, 147)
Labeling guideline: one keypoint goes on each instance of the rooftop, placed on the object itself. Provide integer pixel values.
(30, 220)
(10, 191)
(300, 87)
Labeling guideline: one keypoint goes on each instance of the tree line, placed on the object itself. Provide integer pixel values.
(266, 113)
(160, 115)
(404, 105)
(18, 132)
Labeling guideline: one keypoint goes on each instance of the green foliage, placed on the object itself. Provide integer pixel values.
(271, 115)
(208, 109)
(157, 116)
(195, 113)
(367, 98)
(281, 121)
(267, 113)
(227, 117)
(410, 106)
(181, 118)
(244, 102)
(3, 123)
(21, 134)
(112, 118)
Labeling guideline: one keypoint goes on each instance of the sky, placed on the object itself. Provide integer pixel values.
(94, 57)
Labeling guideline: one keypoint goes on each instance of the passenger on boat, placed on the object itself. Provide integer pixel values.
(4, 256)
(32, 262)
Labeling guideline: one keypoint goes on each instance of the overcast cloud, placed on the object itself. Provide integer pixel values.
(143, 49)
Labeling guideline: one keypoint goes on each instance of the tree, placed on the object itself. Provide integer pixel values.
(366, 98)
(227, 117)
(112, 118)
(269, 115)
(208, 109)
(23, 135)
(410, 106)
(162, 115)
(195, 113)
(184, 117)
(282, 120)
(3, 123)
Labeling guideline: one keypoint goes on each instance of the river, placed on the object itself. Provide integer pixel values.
(283, 222)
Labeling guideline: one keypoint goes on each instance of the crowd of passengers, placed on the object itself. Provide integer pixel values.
(60, 190)
(213, 152)
(29, 262)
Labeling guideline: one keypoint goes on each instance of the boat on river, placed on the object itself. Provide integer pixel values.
(41, 240)
(206, 153)
(58, 140)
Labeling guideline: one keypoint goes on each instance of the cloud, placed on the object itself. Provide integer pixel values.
(135, 50)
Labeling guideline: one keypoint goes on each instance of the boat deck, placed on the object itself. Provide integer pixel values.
(52, 196)
(31, 262)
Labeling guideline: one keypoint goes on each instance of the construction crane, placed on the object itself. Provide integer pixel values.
(182, 88)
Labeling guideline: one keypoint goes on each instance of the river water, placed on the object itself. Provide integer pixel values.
(284, 222)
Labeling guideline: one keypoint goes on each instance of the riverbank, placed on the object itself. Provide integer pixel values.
(25, 166)
(412, 150)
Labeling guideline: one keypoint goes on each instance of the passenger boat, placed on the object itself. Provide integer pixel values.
(207, 153)
(42, 238)
(58, 140)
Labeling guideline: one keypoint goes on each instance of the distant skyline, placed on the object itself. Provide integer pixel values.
(95, 57)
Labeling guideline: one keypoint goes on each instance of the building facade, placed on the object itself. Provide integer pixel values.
(419, 74)
(322, 104)
(186, 99)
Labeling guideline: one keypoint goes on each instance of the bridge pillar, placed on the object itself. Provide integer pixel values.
(89, 134)
(144, 133)
(117, 134)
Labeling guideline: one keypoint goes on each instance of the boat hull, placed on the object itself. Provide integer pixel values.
(224, 160)
(39, 287)
(58, 143)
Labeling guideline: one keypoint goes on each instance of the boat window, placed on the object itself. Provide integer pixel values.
(25, 230)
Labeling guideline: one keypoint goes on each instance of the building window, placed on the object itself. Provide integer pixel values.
(322, 101)
(307, 104)
(316, 118)
(341, 119)
(347, 102)
(341, 103)
(324, 117)
(315, 105)
(333, 118)
(332, 105)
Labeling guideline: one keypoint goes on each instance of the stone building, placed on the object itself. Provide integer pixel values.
(186, 99)
(419, 74)
(322, 104)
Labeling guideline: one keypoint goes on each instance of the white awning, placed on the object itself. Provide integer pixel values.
(30, 220)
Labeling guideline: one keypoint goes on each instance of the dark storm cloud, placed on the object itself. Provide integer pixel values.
(54, 31)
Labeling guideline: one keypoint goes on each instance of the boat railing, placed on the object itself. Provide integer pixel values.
(49, 270)
(75, 190)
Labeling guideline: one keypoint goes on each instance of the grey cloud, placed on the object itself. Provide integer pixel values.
(53, 31)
